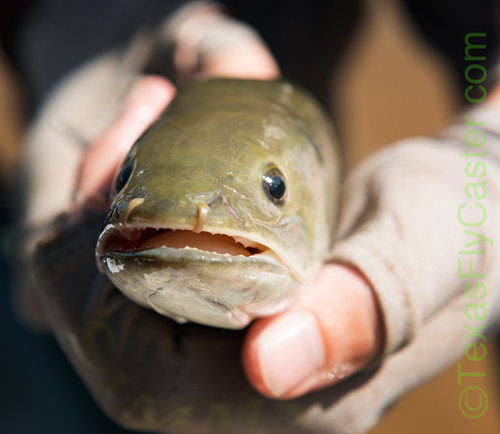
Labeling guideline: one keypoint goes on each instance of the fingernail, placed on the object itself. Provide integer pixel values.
(290, 351)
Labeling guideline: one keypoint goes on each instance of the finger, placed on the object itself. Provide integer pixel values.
(213, 44)
(331, 331)
(250, 61)
(145, 102)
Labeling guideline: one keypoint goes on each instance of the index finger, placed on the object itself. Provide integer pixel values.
(146, 101)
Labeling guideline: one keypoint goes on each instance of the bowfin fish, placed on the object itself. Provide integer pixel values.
(225, 205)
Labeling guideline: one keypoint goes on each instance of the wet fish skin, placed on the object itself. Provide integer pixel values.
(199, 168)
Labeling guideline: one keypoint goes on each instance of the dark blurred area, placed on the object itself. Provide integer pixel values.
(370, 48)
(45, 39)
(39, 391)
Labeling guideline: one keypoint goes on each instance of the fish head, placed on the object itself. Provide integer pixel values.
(219, 209)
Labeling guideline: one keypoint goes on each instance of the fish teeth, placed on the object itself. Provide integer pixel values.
(246, 242)
(128, 233)
(227, 255)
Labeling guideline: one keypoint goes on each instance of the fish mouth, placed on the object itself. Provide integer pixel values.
(123, 239)
(217, 279)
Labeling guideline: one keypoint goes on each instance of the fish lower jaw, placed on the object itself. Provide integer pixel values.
(192, 285)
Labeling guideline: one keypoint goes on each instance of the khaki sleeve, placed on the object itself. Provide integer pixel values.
(422, 229)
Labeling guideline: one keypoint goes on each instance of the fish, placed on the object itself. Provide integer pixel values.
(226, 205)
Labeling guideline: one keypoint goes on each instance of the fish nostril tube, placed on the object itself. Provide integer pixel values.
(134, 203)
(202, 217)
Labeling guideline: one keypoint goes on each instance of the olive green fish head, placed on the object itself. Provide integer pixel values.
(225, 204)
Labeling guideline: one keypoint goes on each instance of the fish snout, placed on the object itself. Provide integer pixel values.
(195, 213)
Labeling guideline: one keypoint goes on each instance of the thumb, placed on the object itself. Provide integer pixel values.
(332, 330)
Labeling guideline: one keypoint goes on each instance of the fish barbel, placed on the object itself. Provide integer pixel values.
(225, 205)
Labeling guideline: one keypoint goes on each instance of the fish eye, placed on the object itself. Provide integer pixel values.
(274, 185)
(124, 176)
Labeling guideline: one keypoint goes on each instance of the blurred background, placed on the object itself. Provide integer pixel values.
(390, 85)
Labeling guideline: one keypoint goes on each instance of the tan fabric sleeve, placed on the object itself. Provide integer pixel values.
(399, 225)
